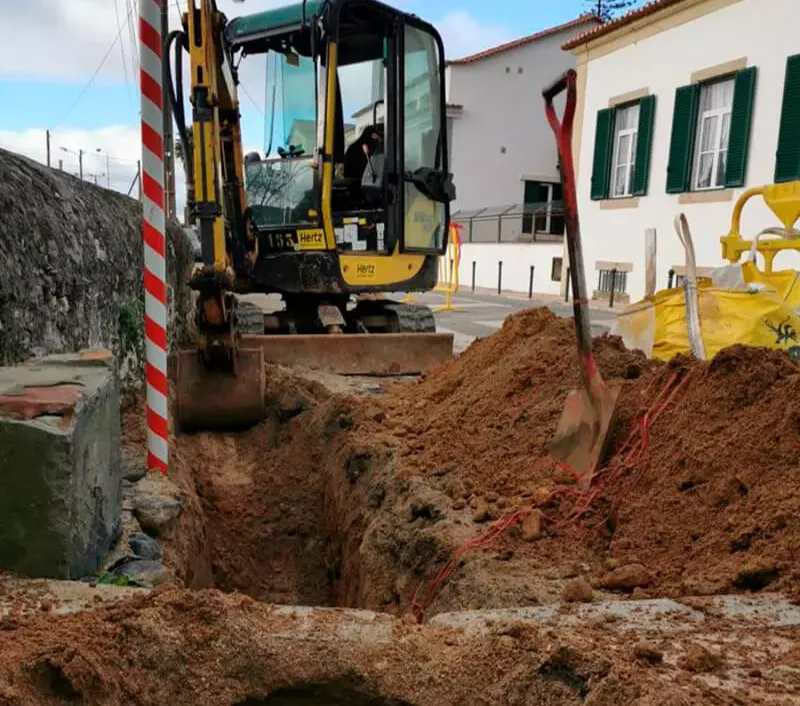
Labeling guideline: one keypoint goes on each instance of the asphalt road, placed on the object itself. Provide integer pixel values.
(479, 314)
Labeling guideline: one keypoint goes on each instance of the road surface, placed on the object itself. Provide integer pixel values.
(481, 314)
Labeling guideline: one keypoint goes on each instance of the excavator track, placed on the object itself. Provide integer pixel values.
(386, 316)
(412, 318)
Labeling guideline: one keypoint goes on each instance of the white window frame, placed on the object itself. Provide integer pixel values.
(717, 149)
(626, 161)
(548, 224)
(548, 212)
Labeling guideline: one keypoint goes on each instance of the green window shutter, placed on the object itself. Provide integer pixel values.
(684, 118)
(787, 160)
(602, 153)
(741, 119)
(644, 142)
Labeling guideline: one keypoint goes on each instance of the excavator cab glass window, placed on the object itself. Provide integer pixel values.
(280, 187)
(425, 218)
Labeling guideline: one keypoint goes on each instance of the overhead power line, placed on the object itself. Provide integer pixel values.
(99, 68)
(122, 53)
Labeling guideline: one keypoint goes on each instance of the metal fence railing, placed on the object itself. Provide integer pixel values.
(514, 223)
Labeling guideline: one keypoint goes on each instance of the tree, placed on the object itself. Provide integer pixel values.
(609, 9)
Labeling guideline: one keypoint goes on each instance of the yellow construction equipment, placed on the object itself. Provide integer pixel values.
(326, 221)
(742, 302)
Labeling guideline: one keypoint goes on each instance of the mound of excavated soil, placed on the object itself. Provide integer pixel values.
(704, 500)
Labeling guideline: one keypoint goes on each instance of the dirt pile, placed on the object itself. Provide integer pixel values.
(703, 497)
(205, 648)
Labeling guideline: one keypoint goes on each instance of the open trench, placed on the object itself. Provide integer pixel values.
(337, 501)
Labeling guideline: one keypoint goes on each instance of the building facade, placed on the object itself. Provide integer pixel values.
(683, 105)
(504, 161)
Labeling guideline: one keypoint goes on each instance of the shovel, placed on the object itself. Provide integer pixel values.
(582, 434)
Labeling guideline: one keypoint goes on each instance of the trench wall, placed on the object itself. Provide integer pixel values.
(71, 268)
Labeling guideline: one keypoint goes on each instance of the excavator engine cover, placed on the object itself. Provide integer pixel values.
(218, 400)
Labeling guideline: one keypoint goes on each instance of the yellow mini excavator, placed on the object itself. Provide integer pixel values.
(343, 211)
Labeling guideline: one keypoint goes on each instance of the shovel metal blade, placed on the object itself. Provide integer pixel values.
(581, 438)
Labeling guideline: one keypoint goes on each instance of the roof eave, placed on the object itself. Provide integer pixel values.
(644, 15)
(523, 41)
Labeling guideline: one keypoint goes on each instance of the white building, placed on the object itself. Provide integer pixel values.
(503, 155)
(684, 104)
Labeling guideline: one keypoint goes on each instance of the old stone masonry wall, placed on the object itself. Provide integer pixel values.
(71, 268)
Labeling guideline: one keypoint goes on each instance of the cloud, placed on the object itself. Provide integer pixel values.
(78, 33)
(463, 34)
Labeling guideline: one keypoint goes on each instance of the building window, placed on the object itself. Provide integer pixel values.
(713, 131)
(622, 144)
(626, 131)
(710, 137)
(542, 208)
(607, 277)
(787, 160)
(555, 269)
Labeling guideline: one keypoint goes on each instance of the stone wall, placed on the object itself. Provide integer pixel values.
(71, 258)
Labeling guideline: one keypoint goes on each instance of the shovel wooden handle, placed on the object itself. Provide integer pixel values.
(563, 132)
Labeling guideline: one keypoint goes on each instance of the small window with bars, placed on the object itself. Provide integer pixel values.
(612, 278)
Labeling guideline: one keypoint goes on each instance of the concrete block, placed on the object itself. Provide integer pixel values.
(60, 467)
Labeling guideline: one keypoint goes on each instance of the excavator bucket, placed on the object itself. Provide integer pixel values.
(219, 400)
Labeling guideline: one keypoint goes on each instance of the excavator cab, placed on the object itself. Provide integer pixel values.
(349, 199)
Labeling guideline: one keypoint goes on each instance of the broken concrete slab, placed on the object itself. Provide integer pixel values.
(60, 464)
(662, 614)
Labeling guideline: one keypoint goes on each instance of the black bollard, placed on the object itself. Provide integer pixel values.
(613, 288)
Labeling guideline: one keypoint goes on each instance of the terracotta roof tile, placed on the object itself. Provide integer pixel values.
(608, 27)
(486, 53)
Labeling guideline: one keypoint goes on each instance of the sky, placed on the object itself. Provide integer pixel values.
(70, 66)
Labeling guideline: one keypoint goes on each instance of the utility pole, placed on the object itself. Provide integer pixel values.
(108, 171)
(139, 176)
(169, 139)
(48, 148)
(80, 164)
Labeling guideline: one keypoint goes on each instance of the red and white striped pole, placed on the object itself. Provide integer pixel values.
(154, 226)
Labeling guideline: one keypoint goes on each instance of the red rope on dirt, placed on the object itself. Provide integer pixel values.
(629, 454)
(418, 607)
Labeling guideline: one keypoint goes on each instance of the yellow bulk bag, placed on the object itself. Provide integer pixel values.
(657, 324)
(785, 282)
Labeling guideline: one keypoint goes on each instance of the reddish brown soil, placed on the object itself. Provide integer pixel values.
(263, 501)
(361, 500)
(205, 648)
(357, 500)
(709, 505)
